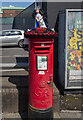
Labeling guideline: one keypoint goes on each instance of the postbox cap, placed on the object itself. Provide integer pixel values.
(40, 32)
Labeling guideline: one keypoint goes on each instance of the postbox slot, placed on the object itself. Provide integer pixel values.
(41, 49)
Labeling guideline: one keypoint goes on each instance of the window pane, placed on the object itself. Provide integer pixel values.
(5, 33)
(12, 33)
(16, 33)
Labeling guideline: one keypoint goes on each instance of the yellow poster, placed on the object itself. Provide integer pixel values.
(75, 49)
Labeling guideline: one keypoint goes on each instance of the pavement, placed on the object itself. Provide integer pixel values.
(64, 115)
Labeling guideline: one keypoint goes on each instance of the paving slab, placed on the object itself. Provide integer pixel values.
(71, 115)
(14, 72)
(71, 102)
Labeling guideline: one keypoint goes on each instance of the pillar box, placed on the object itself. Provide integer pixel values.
(41, 68)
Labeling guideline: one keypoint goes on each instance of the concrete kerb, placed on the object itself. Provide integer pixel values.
(56, 116)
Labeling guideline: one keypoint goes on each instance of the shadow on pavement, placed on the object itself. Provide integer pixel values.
(21, 83)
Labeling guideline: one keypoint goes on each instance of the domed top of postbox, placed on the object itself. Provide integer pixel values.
(40, 33)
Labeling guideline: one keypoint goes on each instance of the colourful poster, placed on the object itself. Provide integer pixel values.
(75, 48)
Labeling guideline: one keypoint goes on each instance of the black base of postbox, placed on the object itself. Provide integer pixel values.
(35, 114)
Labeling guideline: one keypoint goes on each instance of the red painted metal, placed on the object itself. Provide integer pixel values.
(40, 79)
(40, 85)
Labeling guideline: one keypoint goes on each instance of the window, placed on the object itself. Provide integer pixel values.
(16, 33)
(5, 33)
(10, 33)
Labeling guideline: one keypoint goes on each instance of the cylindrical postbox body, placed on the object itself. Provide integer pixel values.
(40, 68)
(40, 73)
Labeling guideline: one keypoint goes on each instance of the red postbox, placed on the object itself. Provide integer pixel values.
(40, 68)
